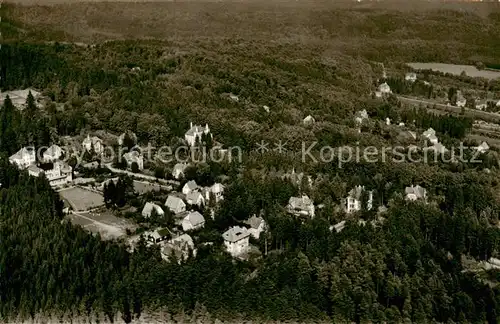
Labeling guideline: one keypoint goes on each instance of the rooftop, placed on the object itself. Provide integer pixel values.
(235, 234)
(195, 218)
(191, 185)
(254, 221)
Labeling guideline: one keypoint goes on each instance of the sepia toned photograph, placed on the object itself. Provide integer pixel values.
(249, 161)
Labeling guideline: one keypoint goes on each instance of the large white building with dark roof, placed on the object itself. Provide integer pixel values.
(236, 240)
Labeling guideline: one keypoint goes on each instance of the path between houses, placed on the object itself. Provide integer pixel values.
(140, 175)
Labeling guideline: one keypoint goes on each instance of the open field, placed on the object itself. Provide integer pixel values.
(142, 187)
(81, 199)
(106, 224)
(456, 69)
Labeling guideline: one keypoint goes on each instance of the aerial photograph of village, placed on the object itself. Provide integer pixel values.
(249, 161)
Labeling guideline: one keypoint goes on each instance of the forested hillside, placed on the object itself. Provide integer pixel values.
(407, 268)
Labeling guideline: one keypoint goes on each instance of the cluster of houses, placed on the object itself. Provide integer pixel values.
(182, 205)
(236, 239)
(430, 136)
(57, 172)
(304, 206)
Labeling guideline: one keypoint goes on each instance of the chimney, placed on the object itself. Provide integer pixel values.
(206, 128)
(191, 125)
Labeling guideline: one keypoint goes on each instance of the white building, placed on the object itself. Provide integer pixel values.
(429, 132)
(195, 132)
(53, 153)
(301, 206)
(483, 148)
(481, 104)
(361, 116)
(93, 142)
(178, 170)
(218, 191)
(234, 97)
(134, 157)
(148, 210)
(24, 157)
(338, 227)
(411, 77)
(353, 202)
(257, 226)
(193, 221)
(189, 187)
(383, 89)
(195, 198)
(60, 174)
(157, 235)
(34, 171)
(430, 135)
(236, 240)
(461, 101)
(414, 193)
(175, 204)
(309, 120)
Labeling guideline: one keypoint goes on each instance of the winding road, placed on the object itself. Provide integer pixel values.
(140, 175)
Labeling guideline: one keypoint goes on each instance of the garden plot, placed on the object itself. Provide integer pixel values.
(82, 199)
(106, 224)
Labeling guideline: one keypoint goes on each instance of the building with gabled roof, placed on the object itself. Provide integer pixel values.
(483, 147)
(193, 221)
(195, 132)
(218, 191)
(147, 211)
(195, 198)
(338, 227)
(353, 203)
(175, 204)
(256, 225)
(189, 187)
(158, 235)
(309, 120)
(178, 170)
(93, 142)
(24, 157)
(414, 193)
(301, 206)
(60, 174)
(53, 153)
(34, 171)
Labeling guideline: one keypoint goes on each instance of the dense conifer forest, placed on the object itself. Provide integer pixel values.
(406, 269)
